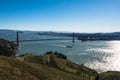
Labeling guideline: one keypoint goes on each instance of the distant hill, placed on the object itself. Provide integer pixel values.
(86, 36)
(5, 30)
(80, 36)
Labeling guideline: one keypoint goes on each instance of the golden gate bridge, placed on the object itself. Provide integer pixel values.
(17, 39)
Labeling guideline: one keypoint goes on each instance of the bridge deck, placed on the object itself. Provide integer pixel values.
(42, 40)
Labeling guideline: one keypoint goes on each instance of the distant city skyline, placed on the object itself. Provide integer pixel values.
(60, 15)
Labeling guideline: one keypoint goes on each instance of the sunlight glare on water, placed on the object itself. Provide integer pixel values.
(110, 59)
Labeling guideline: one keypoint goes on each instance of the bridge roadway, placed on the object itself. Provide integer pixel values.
(42, 39)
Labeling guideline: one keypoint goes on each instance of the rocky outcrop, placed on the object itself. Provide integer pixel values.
(7, 48)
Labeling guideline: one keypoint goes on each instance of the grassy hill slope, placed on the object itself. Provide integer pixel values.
(55, 61)
(13, 69)
(110, 75)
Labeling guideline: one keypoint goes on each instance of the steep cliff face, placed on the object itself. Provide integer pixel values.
(7, 48)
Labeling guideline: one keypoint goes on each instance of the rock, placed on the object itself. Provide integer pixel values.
(7, 48)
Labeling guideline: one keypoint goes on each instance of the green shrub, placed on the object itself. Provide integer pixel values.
(60, 55)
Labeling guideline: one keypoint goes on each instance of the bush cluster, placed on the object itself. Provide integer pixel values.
(60, 55)
(22, 55)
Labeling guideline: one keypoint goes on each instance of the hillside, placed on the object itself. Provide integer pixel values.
(86, 36)
(48, 67)
(13, 69)
(56, 61)
(110, 75)
(7, 48)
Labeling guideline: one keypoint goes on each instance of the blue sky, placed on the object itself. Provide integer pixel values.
(60, 15)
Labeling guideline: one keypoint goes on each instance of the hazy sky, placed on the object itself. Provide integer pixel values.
(60, 15)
